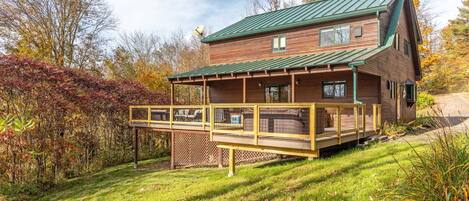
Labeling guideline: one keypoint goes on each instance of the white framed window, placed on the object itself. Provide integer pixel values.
(279, 43)
(336, 35)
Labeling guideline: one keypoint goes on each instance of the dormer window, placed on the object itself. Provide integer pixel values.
(279, 43)
(337, 35)
(406, 47)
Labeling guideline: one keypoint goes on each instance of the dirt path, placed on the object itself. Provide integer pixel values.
(455, 109)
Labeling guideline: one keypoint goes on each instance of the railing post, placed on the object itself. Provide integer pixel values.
(149, 116)
(339, 125)
(203, 117)
(379, 117)
(212, 121)
(355, 115)
(255, 127)
(364, 119)
(312, 126)
(374, 118)
(171, 117)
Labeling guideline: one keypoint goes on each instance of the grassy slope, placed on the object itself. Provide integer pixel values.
(357, 174)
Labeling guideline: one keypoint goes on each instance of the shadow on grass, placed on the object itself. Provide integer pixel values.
(354, 166)
(91, 184)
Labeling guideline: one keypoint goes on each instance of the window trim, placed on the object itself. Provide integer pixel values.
(333, 83)
(335, 27)
(279, 36)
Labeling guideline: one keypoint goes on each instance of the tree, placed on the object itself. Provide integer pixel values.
(65, 33)
(261, 6)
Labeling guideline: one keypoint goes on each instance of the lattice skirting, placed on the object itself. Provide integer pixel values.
(196, 149)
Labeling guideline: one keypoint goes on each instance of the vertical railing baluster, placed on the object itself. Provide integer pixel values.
(374, 118)
(212, 121)
(130, 115)
(256, 121)
(203, 118)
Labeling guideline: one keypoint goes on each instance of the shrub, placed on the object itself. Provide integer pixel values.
(399, 128)
(440, 173)
(424, 100)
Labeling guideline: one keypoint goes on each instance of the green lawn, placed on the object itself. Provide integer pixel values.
(355, 174)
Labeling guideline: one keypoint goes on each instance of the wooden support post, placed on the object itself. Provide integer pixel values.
(293, 86)
(232, 163)
(172, 94)
(136, 149)
(204, 91)
(220, 158)
(355, 115)
(312, 126)
(244, 90)
(172, 150)
(339, 125)
(212, 121)
(379, 117)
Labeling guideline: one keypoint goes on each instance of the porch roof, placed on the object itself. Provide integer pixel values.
(292, 62)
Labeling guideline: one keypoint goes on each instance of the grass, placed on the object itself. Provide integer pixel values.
(355, 174)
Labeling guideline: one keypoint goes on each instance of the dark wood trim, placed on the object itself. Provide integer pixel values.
(204, 93)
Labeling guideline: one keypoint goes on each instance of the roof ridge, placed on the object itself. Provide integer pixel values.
(283, 9)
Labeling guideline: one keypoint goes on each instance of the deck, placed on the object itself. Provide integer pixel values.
(300, 129)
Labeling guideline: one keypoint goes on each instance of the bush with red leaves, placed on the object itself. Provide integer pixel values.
(81, 119)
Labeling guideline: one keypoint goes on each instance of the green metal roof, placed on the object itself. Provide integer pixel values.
(299, 61)
(306, 14)
(352, 56)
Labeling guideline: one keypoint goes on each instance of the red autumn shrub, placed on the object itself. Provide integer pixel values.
(81, 119)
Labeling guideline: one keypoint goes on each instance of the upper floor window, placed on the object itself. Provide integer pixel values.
(279, 43)
(277, 94)
(406, 47)
(333, 89)
(335, 35)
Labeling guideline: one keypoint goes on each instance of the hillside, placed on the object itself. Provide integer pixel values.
(356, 174)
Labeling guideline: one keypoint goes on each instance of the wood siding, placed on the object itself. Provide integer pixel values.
(394, 65)
(302, 40)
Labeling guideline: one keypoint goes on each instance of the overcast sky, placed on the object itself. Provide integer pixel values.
(163, 17)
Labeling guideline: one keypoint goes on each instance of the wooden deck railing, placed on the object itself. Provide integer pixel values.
(297, 121)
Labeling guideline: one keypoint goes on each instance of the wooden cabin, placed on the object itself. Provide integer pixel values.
(293, 82)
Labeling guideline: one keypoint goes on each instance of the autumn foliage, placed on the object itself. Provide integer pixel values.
(80, 121)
